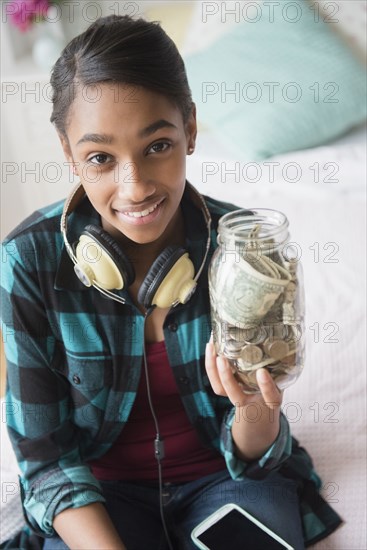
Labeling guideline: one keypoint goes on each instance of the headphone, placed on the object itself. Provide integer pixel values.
(100, 262)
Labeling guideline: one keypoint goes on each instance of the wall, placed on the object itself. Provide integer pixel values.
(33, 167)
(34, 171)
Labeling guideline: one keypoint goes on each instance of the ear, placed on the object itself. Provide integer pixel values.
(191, 129)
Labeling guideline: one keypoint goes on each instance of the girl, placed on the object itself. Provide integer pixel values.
(130, 430)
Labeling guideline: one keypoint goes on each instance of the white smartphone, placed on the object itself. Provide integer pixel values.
(232, 527)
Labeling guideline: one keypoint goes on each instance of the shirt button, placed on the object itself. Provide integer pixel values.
(184, 380)
(76, 379)
(172, 327)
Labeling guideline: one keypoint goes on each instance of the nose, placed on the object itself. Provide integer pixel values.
(133, 183)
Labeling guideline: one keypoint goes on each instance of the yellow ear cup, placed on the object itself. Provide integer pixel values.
(95, 266)
(178, 284)
(169, 280)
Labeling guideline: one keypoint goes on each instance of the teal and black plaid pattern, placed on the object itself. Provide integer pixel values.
(74, 359)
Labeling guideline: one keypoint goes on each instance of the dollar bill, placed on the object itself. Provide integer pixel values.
(242, 296)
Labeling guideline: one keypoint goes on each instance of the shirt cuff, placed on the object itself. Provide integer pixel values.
(258, 469)
(72, 487)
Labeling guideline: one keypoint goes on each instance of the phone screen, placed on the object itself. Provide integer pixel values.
(236, 531)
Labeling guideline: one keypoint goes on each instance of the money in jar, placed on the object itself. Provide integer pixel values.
(257, 297)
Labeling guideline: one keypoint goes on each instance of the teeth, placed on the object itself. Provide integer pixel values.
(143, 213)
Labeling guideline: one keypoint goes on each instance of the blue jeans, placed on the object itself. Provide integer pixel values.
(134, 509)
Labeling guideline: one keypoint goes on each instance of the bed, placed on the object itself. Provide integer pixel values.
(320, 184)
(321, 187)
(326, 406)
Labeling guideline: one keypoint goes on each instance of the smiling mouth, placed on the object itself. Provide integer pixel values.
(142, 213)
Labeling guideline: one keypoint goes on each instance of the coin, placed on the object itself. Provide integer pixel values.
(289, 360)
(232, 346)
(251, 354)
(237, 333)
(277, 349)
(243, 366)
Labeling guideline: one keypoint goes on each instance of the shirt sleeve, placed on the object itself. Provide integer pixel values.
(273, 458)
(38, 412)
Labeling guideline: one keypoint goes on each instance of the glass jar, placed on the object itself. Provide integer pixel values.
(257, 297)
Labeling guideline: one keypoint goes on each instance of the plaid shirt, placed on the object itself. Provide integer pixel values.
(74, 360)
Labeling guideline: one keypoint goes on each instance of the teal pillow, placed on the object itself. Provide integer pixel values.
(271, 86)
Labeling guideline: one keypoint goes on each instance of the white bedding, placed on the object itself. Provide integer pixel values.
(326, 406)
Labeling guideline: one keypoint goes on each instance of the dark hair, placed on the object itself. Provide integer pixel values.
(123, 50)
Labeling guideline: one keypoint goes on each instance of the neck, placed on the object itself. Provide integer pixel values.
(142, 256)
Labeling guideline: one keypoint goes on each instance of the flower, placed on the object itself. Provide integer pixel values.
(23, 13)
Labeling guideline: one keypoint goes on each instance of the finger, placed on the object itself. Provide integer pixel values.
(231, 386)
(269, 391)
(212, 370)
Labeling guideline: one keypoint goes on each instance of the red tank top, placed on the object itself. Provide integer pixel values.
(132, 455)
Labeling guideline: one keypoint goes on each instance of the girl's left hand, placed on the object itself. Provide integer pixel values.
(224, 383)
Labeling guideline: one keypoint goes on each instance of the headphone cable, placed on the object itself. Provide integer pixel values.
(158, 442)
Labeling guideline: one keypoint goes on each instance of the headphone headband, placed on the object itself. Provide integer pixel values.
(70, 204)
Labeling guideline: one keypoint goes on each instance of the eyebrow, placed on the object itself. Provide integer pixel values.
(96, 138)
(156, 126)
(145, 132)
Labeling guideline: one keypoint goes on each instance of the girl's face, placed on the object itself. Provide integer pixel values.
(129, 146)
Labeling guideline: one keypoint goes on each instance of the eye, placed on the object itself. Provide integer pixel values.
(159, 147)
(100, 158)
